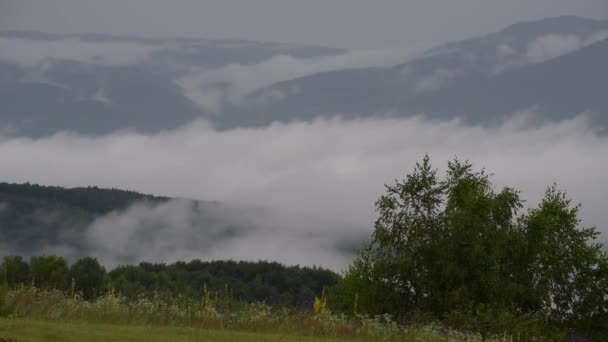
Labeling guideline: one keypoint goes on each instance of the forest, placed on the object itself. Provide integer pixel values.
(269, 282)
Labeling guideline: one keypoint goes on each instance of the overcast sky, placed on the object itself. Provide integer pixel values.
(340, 23)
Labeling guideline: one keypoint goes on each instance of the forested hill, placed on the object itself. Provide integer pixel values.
(89, 199)
(35, 220)
(34, 216)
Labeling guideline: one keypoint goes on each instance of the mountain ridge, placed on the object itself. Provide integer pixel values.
(428, 85)
(93, 96)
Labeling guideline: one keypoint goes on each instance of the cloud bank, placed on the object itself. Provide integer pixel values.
(554, 45)
(302, 191)
(230, 84)
(31, 53)
(543, 48)
(185, 230)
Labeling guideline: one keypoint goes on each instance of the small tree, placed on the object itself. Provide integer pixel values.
(89, 277)
(49, 272)
(14, 271)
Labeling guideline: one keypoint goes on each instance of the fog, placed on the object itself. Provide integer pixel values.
(300, 193)
(241, 79)
(554, 45)
(36, 53)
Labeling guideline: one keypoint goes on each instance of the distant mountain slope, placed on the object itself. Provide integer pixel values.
(165, 56)
(555, 66)
(96, 84)
(93, 99)
(556, 90)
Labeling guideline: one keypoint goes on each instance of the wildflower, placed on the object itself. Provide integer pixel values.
(320, 303)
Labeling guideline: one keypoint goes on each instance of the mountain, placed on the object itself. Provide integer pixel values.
(556, 67)
(92, 99)
(166, 56)
(96, 84)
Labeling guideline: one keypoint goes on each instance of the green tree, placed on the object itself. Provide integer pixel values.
(89, 277)
(14, 271)
(455, 249)
(49, 271)
(566, 271)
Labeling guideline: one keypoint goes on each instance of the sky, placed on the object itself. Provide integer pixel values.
(336, 23)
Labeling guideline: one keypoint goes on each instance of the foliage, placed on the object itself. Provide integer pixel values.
(89, 277)
(49, 271)
(278, 285)
(244, 281)
(456, 250)
(14, 271)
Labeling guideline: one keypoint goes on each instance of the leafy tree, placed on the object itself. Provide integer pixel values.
(89, 277)
(14, 271)
(49, 271)
(454, 248)
(566, 272)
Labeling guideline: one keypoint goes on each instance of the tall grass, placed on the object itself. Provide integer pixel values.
(216, 313)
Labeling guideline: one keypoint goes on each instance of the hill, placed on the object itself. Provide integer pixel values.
(37, 220)
(96, 84)
(555, 67)
(33, 217)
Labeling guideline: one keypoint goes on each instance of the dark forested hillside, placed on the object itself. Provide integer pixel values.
(34, 216)
(90, 199)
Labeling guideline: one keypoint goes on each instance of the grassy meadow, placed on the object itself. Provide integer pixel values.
(32, 314)
(33, 331)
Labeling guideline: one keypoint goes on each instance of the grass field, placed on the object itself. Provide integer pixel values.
(33, 314)
(22, 330)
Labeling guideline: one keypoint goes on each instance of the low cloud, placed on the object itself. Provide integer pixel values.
(299, 192)
(553, 45)
(34, 53)
(186, 230)
(542, 49)
(437, 79)
(230, 84)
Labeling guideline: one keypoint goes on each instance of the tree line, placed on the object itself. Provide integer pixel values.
(270, 282)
